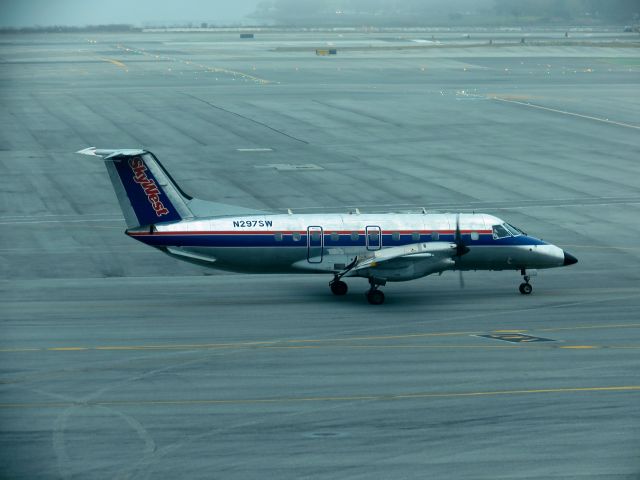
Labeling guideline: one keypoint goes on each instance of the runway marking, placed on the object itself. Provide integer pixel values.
(115, 62)
(564, 112)
(512, 339)
(579, 347)
(515, 338)
(383, 347)
(235, 73)
(255, 344)
(158, 348)
(67, 349)
(7, 350)
(338, 398)
(331, 342)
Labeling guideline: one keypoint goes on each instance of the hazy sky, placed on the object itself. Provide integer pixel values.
(135, 12)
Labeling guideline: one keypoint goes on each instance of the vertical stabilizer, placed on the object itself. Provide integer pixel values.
(146, 192)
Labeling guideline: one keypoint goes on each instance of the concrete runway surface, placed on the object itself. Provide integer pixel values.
(119, 362)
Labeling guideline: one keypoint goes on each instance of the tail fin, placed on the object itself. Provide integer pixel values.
(145, 190)
(148, 195)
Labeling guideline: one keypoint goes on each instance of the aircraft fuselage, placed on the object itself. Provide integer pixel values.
(316, 243)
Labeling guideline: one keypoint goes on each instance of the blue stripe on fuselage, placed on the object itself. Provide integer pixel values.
(269, 240)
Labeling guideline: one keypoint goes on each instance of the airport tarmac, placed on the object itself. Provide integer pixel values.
(119, 362)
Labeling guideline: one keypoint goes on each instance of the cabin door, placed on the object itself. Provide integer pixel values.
(374, 237)
(315, 244)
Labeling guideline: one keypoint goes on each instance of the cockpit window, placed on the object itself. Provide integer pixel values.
(513, 230)
(500, 232)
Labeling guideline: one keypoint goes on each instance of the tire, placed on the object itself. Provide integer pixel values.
(339, 288)
(375, 297)
(525, 288)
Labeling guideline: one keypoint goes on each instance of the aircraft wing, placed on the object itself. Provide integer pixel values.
(406, 261)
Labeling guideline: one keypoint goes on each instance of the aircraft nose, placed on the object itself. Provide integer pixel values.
(569, 259)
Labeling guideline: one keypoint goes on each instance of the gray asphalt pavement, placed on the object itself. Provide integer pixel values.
(119, 362)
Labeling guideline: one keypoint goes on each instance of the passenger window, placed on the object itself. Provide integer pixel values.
(315, 236)
(296, 237)
(499, 232)
(373, 236)
(278, 236)
(415, 236)
(395, 236)
(335, 237)
(355, 236)
(435, 236)
(475, 236)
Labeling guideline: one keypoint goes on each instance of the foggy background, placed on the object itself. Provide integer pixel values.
(203, 13)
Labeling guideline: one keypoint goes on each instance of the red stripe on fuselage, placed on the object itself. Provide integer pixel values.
(304, 232)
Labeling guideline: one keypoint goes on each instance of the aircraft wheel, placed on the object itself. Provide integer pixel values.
(525, 288)
(339, 287)
(375, 297)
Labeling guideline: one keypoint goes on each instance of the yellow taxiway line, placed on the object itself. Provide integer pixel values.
(115, 62)
(336, 398)
(346, 342)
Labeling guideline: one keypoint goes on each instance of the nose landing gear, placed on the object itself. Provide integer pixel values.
(525, 288)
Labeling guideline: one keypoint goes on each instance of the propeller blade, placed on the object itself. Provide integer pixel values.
(461, 248)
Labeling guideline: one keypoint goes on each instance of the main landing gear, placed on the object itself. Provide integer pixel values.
(525, 288)
(375, 296)
(338, 287)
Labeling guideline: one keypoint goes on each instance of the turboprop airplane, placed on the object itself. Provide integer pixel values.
(382, 247)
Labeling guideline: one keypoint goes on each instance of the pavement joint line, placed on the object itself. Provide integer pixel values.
(607, 247)
(38, 222)
(336, 398)
(587, 327)
(44, 215)
(478, 204)
(564, 112)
